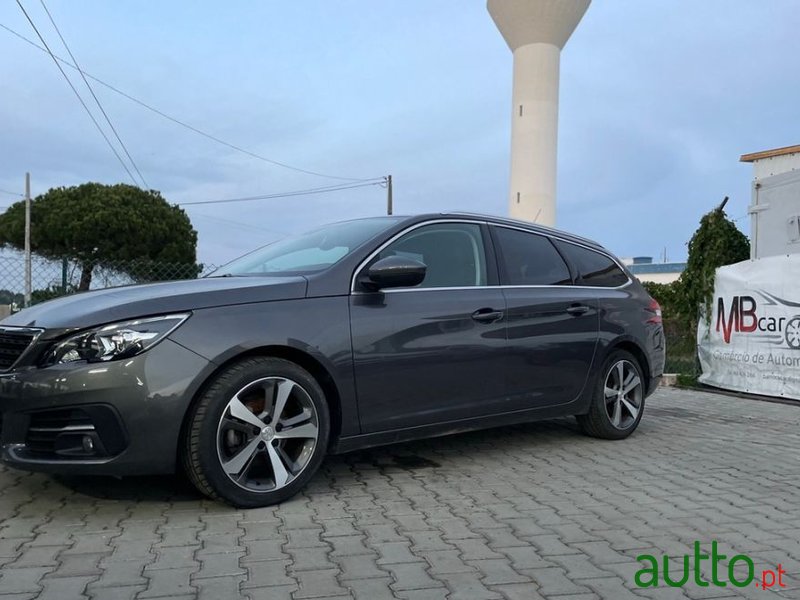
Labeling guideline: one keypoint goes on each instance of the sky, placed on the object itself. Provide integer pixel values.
(658, 101)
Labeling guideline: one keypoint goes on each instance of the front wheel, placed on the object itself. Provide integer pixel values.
(257, 434)
(618, 401)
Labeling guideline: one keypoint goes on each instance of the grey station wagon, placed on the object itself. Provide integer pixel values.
(357, 334)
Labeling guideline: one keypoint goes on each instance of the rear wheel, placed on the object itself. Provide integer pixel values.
(258, 433)
(618, 400)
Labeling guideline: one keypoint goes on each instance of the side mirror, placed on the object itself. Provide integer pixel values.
(394, 271)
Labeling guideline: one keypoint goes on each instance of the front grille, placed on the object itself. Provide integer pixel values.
(13, 343)
(46, 426)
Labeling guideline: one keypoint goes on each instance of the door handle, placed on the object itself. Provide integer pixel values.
(577, 310)
(487, 315)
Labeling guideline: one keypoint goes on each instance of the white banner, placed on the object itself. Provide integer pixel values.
(752, 343)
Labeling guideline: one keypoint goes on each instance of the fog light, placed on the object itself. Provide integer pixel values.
(88, 444)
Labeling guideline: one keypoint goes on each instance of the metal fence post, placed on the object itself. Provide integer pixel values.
(27, 296)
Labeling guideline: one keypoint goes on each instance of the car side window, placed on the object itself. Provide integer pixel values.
(452, 252)
(594, 269)
(530, 259)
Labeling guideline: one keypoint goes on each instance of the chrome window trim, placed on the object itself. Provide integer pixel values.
(490, 287)
(380, 248)
(36, 331)
(354, 291)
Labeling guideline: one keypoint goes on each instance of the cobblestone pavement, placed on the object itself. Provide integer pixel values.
(525, 512)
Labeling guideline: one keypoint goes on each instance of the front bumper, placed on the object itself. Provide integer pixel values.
(132, 411)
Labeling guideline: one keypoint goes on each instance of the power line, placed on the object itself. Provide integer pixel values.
(247, 226)
(77, 95)
(91, 91)
(182, 123)
(12, 193)
(306, 192)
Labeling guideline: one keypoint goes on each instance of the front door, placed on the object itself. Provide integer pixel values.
(432, 353)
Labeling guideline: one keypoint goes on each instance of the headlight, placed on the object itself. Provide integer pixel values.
(115, 341)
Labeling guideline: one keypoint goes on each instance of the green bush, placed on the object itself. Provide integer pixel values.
(9, 297)
(49, 293)
(716, 243)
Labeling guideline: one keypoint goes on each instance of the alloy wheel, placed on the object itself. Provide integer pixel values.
(267, 434)
(623, 394)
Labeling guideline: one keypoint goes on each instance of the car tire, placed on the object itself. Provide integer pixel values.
(614, 413)
(237, 450)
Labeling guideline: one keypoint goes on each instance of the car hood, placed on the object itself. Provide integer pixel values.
(88, 309)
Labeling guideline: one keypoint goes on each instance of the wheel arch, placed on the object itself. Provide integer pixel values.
(302, 359)
(633, 347)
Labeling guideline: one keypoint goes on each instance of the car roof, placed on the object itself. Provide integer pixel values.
(532, 227)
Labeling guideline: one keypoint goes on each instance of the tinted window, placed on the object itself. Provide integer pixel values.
(594, 269)
(453, 253)
(530, 259)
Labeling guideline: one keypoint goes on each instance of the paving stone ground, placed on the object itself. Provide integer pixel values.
(525, 512)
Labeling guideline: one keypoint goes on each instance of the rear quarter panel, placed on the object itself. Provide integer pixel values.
(624, 318)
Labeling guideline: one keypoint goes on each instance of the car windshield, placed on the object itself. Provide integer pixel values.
(309, 252)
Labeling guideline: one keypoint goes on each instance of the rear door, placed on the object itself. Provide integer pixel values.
(552, 324)
(432, 353)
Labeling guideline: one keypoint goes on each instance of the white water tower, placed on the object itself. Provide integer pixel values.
(536, 31)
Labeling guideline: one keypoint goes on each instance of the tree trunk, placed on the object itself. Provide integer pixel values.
(86, 277)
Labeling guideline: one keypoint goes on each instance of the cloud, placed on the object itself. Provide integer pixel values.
(658, 99)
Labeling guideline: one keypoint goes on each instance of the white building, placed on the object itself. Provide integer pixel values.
(645, 269)
(774, 214)
(775, 206)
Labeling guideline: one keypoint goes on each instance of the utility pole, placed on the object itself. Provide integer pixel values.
(389, 195)
(27, 239)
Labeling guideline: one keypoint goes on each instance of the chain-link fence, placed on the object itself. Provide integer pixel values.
(53, 278)
(681, 339)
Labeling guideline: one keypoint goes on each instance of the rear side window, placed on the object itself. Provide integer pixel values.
(594, 269)
(530, 259)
